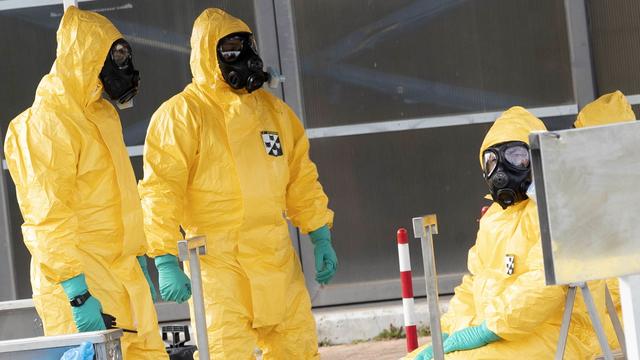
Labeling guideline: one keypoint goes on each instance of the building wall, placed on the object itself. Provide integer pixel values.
(396, 97)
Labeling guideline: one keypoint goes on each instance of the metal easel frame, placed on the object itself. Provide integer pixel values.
(595, 320)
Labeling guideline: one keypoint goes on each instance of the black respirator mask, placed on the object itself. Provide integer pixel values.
(507, 171)
(240, 63)
(119, 78)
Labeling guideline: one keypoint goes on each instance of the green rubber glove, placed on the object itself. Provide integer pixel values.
(427, 353)
(471, 337)
(326, 259)
(174, 283)
(142, 260)
(88, 316)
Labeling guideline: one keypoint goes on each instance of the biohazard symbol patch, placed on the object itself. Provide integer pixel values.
(272, 143)
(509, 264)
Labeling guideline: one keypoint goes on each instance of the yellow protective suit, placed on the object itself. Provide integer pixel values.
(524, 312)
(77, 191)
(608, 109)
(207, 169)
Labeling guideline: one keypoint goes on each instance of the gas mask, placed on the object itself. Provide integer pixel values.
(240, 63)
(119, 77)
(507, 172)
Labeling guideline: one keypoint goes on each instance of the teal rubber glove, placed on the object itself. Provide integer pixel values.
(142, 260)
(326, 259)
(427, 353)
(174, 283)
(88, 316)
(471, 337)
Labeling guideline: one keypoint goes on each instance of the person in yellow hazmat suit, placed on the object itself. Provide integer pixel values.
(608, 109)
(503, 309)
(77, 192)
(226, 159)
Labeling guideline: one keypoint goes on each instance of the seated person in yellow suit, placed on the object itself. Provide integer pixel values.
(503, 309)
(77, 191)
(608, 109)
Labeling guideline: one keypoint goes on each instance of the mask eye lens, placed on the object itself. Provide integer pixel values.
(121, 54)
(518, 156)
(231, 48)
(490, 160)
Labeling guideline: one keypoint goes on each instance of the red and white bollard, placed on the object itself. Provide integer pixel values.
(407, 290)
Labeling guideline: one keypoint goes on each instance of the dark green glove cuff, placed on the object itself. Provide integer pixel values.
(75, 286)
(488, 335)
(142, 260)
(320, 234)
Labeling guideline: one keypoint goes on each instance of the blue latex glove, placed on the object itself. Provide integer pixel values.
(142, 260)
(326, 259)
(427, 353)
(471, 337)
(83, 352)
(88, 316)
(174, 283)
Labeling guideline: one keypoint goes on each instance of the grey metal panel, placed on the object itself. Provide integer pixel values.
(19, 319)
(588, 201)
(289, 62)
(431, 122)
(7, 271)
(579, 48)
(106, 345)
(267, 38)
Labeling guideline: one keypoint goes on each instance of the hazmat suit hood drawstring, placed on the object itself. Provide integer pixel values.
(84, 39)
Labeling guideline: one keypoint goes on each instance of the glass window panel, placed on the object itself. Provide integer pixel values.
(382, 60)
(615, 45)
(158, 32)
(416, 173)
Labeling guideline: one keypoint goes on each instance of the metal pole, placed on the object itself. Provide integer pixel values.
(566, 321)
(613, 315)
(406, 281)
(584, 87)
(189, 250)
(7, 270)
(595, 320)
(424, 228)
(67, 3)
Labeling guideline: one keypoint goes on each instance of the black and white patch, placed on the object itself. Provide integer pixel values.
(272, 143)
(509, 264)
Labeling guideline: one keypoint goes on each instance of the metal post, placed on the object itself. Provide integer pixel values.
(424, 228)
(68, 3)
(613, 315)
(566, 321)
(406, 281)
(595, 321)
(7, 270)
(189, 250)
(584, 88)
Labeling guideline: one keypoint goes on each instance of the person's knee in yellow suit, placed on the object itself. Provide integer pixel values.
(503, 309)
(226, 159)
(77, 192)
